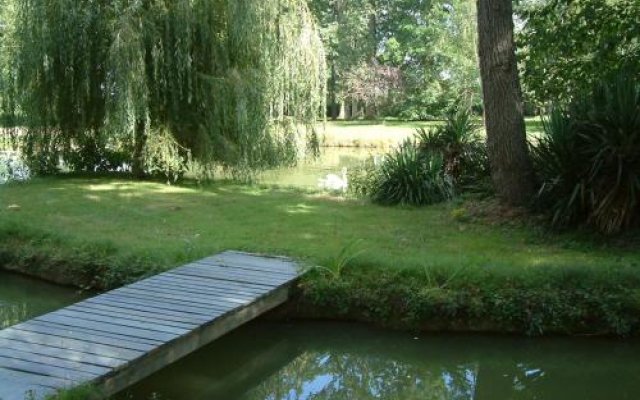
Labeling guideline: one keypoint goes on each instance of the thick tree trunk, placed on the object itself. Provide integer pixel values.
(511, 167)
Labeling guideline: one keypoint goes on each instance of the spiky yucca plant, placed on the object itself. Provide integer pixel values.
(589, 158)
(410, 176)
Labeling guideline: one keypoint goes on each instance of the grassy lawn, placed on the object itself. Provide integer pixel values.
(417, 265)
(386, 133)
(172, 224)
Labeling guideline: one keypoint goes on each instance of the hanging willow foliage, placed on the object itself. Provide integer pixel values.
(236, 83)
(8, 100)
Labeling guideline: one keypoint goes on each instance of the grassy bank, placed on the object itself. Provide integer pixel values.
(431, 268)
(386, 133)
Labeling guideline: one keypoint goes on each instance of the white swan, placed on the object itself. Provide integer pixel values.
(334, 182)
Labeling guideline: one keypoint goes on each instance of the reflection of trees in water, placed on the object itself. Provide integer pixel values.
(11, 314)
(321, 362)
(347, 376)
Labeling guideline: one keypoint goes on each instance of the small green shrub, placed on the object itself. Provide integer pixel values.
(589, 158)
(410, 176)
(362, 178)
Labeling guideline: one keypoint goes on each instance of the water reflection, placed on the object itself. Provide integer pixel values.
(309, 173)
(336, 361)
(11, 314)
(23, 298)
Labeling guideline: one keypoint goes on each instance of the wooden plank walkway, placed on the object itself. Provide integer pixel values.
(118, 338)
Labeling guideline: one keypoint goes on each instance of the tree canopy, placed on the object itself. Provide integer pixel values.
(567, 47)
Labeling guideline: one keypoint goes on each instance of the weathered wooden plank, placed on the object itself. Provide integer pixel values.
(186, 293)
(46, 370)
(64, 354)
(253, 276)
(68, 364)
(170, 315)
(73, 333)
(36, 379)
(218, 272)
(276, 273)
(264, 262)
(122, 321)
(146, 317)
(154, 305)
(201, 273)
(101, 334)
(182, 307)
(71, 344)
(222, 299)
(181, 298)
(214, 284)
(201, 289)
(16, 385)
(106, 327)
(210, 310)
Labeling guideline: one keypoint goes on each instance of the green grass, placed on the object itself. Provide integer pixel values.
(385, 133)
(172, 224)
(104, 232)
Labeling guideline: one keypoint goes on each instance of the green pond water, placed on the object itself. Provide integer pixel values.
(322, 360)
(279, 361)
(308, 172)
(24, 298)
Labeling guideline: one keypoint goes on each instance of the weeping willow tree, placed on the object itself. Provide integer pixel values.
(8, 104)
(163, 85)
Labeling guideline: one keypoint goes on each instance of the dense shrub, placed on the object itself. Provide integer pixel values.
(411, 176)
(589, 158)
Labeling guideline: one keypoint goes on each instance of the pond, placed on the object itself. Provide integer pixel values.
(24, 298)
(280, 361)
(326, 360)
(307, 174)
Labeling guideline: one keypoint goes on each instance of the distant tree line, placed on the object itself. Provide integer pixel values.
(404, 58)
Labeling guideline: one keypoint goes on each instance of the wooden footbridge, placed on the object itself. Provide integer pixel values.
(118, 338)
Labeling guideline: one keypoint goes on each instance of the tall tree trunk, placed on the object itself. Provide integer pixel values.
(334, 107)
(511, 167)
(141, 134)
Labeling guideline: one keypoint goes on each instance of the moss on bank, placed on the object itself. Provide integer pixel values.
(604, 301)
(550, 301)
